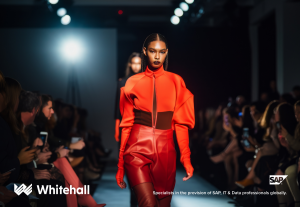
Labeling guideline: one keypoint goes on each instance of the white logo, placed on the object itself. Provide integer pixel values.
(22, 189)
(48, 189)
(276, 179)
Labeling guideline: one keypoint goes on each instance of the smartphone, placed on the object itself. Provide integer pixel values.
(246, 143)
(245, 137)
(76, 139)
(44, 137)
(240, 114)
(245, 132)
(9, 170)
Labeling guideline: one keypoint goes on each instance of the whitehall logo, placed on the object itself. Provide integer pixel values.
(276, 179)
(22, 189)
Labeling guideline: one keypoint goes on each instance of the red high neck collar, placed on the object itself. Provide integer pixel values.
(159, 71)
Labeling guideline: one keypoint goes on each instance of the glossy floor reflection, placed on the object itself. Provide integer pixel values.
(108, 192)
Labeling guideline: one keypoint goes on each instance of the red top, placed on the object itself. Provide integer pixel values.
(171, 96)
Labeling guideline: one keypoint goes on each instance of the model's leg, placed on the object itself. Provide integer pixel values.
(165, 202)
(145, 196)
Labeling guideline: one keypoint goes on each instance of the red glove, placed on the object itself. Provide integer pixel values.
(120, 173)
(183, 143)
(119, 178)
(126, 109)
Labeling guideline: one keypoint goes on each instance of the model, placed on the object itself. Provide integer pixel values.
(133, 67)
(153, 104)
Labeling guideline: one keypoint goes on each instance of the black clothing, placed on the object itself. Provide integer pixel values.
(8, 152)
(121, 83)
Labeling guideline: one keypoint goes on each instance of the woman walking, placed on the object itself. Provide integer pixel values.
(153, 104)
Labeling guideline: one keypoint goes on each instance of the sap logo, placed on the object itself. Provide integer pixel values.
(276, 179)
(22, 189)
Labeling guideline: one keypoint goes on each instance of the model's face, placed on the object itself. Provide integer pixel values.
(297, 113)
(136, 64)
(48, 110)
(156, 53)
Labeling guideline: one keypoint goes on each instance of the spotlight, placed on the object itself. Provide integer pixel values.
(201, 11)
(189, 1)
(65, 20)
(72, 49)
(178, 12)
(184, 6)
(53, 1)
(175, 20)
(61, 12)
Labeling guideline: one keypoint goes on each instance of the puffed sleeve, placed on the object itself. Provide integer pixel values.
(183, 120)
(126, 109)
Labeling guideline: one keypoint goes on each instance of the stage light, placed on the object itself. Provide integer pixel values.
(178, 12)
(201, 10)
(72, 49)
(184, 6)
(189, 1)
(53, 1)
(61, 12)
(65, 20)
(175, 20)
(120, 12)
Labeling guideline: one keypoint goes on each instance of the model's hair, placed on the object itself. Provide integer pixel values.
(148, 40)
(287, 117)
(269, 112)
(2, 83)
(28, 101)
(128, 68)
(12, 91)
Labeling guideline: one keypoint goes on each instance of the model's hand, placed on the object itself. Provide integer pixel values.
(119, 178)
(189, 175)
(189, 170)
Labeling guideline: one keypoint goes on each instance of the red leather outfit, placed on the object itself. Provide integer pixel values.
(153, 104)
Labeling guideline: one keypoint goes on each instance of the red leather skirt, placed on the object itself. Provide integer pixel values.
(150, 156)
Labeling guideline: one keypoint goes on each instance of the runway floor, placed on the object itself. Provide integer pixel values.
(108, 192)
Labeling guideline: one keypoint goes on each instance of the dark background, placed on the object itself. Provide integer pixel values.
(215, 62)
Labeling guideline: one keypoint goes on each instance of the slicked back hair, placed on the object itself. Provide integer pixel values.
(148, 40)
